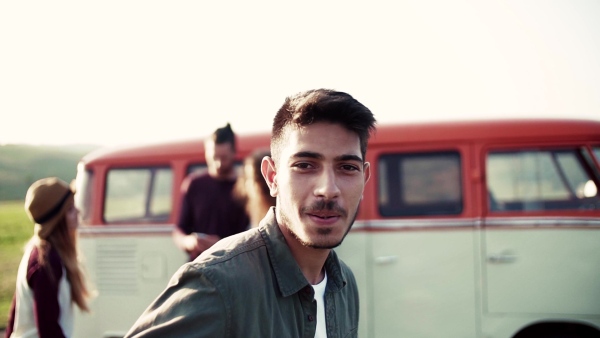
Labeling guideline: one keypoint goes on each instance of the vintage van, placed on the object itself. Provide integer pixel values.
(478, 229)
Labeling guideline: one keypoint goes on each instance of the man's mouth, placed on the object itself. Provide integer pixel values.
(324, 216)
(325, 210)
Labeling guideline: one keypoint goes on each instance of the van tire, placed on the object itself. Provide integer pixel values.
(558, 330)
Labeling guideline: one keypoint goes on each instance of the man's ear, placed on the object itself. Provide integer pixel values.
(366, 175)
(269, 172)
(367, 172)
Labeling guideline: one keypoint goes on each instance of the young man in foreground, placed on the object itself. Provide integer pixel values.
(283, 279)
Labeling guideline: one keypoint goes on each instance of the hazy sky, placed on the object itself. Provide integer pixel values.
(120, 72)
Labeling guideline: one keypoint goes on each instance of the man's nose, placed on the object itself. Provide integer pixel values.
(327, 185)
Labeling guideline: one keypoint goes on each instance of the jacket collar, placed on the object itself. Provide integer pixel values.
(287, 272)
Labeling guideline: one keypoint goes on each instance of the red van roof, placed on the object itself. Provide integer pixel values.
(453, 131)
(486, 130)
(185, 149)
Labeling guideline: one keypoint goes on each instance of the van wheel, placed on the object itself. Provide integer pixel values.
(558, 330)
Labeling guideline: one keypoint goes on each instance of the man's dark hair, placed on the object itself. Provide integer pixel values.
(224, 135)
(323, 105)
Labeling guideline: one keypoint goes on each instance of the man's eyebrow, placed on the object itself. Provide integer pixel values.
(350, 158)
(311, 154)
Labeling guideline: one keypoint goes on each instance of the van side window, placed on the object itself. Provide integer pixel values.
(415, 184)
(596, 151)
(138, 195)
(535, 180)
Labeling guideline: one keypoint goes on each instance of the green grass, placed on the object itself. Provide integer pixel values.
(15, 230)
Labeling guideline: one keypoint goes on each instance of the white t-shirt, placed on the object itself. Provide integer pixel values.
(320, 298)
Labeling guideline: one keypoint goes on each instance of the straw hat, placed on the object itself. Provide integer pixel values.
(45, 203)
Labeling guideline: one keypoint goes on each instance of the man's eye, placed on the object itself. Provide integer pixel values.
(303, 165)
(350, 167)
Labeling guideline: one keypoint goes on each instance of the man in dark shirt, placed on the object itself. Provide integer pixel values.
(208, 210)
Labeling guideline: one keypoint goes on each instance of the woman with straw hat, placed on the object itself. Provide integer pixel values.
(50, 279)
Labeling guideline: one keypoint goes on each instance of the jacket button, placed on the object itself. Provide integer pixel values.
(311, 318)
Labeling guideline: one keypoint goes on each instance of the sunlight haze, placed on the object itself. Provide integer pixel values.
(122, 72)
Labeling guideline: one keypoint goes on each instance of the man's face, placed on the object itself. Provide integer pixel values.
(220, 159)
(319, 180)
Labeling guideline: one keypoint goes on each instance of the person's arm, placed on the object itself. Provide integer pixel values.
(184, 241)
(182, 233)
(191, 306)
(195, 243)
(45, 294)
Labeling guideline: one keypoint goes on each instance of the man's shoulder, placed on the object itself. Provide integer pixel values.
(197, 179)
(233, 251)
(237, 267)
(52, 263)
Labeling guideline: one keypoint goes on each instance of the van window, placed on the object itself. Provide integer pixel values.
(534, 180)
(597, 153)
(138, 195)
(417, 184)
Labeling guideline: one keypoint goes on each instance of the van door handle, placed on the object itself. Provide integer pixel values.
(502, 258)
(383, 260)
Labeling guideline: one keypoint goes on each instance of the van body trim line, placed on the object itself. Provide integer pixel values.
(154, 229)
(374, 225)
(425, 223)
(126, 229)
(525, 222)
(543, 222)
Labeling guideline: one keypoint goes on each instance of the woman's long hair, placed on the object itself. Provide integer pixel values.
(64, 240)
(252, 190)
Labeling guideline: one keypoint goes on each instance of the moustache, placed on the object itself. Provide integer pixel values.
(322, 205)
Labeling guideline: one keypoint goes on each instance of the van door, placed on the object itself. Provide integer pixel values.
(542, 232)
(423, 243)
(132, 256)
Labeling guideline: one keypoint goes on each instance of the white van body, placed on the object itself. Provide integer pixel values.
(467, 229)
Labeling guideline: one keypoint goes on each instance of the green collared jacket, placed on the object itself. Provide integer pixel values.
(249, 285)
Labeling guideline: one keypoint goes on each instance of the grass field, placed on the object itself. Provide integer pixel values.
(15, 230)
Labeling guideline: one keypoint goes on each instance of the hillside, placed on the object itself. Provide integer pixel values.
(21, 165)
